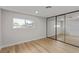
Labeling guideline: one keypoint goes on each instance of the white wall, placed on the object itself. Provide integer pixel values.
(12, 36)
(0, 28)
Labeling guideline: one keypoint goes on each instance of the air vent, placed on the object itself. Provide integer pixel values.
(48, 6)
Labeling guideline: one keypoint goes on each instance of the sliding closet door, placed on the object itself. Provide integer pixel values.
(72, 28)
(51, 27)
(60, 28)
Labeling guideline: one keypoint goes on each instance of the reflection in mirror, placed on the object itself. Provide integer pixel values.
(60, 28)
(51, 28)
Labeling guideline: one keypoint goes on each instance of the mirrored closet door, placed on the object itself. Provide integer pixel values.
(60, 28)
(51, 28)
(64, 28)
(72, 28)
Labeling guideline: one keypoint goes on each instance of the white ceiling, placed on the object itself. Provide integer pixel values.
(43, 12)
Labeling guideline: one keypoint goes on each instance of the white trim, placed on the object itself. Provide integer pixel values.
(20, 42)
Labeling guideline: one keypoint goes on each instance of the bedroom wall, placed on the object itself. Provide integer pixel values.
(12, 36)
(0, 29)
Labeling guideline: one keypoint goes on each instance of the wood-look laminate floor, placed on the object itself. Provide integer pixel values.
(45, 45)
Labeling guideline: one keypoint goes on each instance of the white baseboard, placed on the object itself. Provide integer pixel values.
(19, 42)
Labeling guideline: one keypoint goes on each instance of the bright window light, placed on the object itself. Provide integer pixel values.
(29, 22)
(21, 23)
(18, 23)
(58, 26)
(36, 11)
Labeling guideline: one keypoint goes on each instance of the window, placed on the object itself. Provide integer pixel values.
(18, 23)
(29, 23)
(21, 23)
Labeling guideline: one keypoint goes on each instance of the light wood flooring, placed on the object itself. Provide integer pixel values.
(45, 45)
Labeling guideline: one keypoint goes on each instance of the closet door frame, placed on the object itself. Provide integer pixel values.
(56, 28)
